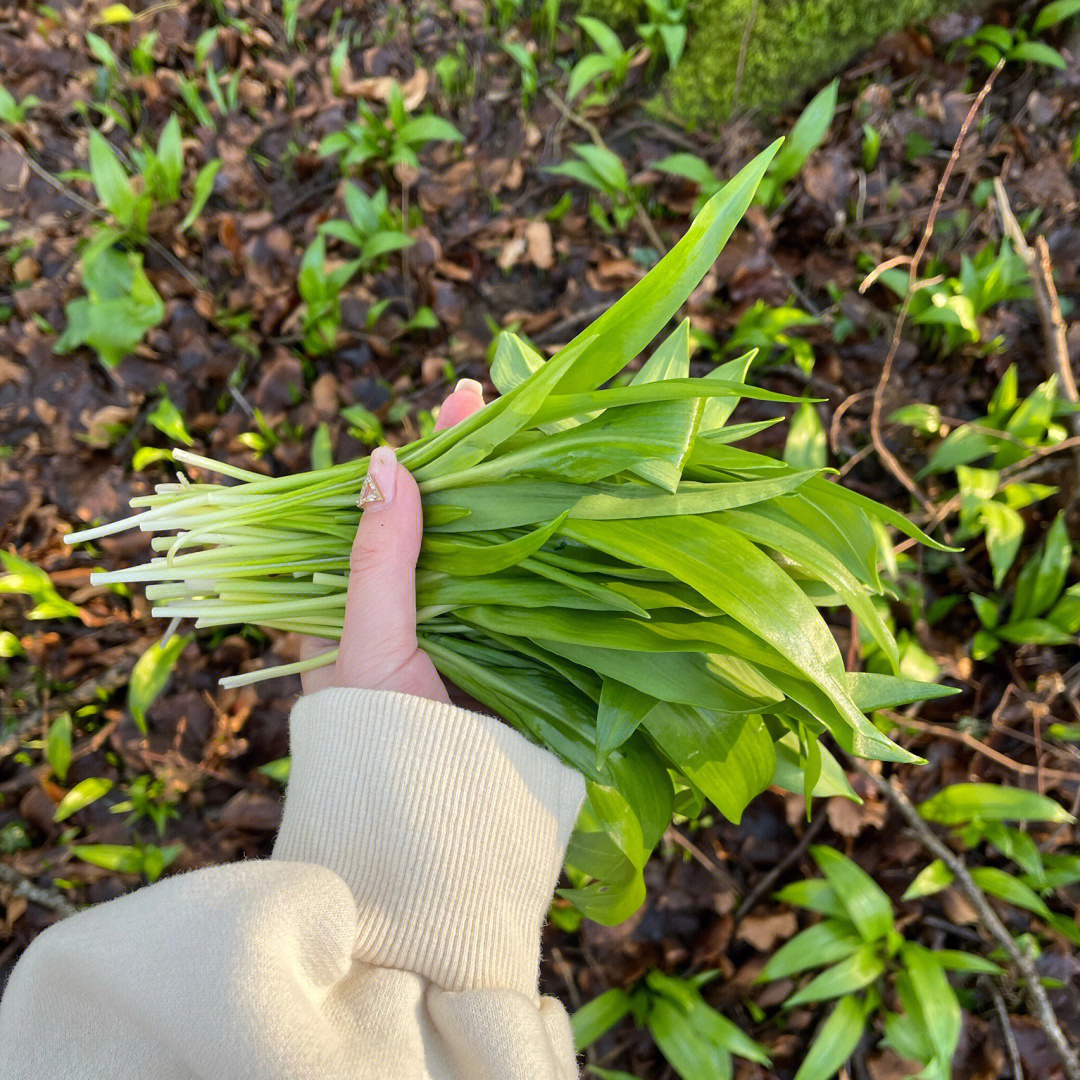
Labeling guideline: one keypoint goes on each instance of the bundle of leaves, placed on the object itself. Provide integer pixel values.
(602, 567)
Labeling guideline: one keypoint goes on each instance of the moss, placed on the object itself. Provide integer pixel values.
(793, 45)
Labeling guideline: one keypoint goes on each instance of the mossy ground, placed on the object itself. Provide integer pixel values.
(792, 45)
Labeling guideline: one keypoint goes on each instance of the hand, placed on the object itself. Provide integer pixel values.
(378, 649)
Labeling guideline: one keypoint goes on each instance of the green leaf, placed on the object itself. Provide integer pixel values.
(58, 746)
(1037, 52)
(166, 417)
(122, 859)
(961, 803)
(424, 129)
(940, 1009)
(110, 180)
(806, 446)
(82, 795)
(598, 1016)
(619, 714)
(691, 167)
(1004, 531)
(607, 41)
(116, 13)
(204, 187)
(931, 879)
(814, 895)
(866, 904)
(691, 1054)
(1005, 887)
(151, 674)
(822, 944)
(953, 960)
(872, 690)
(835, 1041)
(851, 974)
(1053, 13)
(1049, 578)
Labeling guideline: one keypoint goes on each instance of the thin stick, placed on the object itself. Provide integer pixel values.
(744, 44)
(771, 878)
(1046, 301)
(593, 132)
(1007, 1034)
(23, 886)
(969, 740)
(673, 835)
(887, 457)
(1033, 987)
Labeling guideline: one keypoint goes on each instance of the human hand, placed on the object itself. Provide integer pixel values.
(378, 649)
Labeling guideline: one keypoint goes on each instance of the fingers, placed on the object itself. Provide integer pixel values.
(467, 398)
(378, 647)
(379, 633)
(318, 678)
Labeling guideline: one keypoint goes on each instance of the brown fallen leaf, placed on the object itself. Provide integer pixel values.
(538, 241)
(764, 931)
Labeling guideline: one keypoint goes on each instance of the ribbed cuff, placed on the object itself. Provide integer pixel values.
(449, 827)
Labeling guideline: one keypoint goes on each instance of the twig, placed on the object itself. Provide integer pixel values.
(593, 132)
(36, 894)
(1046, 301)
(969, 740)
(721, 875)
(744, 44)
(1033, 987)
(887, 457)
(774, 875)
(1008, 1036)
(86, 693)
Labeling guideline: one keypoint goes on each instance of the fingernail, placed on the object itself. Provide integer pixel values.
(377, 492)
(471, 386)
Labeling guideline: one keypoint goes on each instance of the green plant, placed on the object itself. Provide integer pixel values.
(767, 329)
(456, 75)
(372, 228)
(150, 676)
(1042, 611)
(146, 798)
(608, 67)
(697, 1041)
(863, 954)
(320, 289)
(603, 171)
(25, 579)
(978, 813)
(506, 11)
(621, 522)
(12, 111)
(806, 135)
(390, 139)
(147, 859)
(120, 304)
(665, 28)
(949, 309)
(992, 42)
(526, 62)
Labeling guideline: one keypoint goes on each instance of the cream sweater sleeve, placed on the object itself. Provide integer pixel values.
(394, 934)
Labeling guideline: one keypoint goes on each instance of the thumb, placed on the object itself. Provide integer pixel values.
(379, 633)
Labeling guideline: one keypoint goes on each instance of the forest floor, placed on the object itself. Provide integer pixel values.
(500, 243)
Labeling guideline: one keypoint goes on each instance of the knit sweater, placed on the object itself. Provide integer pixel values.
(394, 933)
